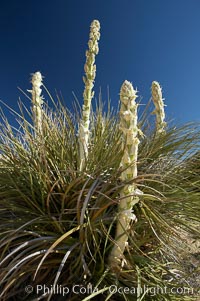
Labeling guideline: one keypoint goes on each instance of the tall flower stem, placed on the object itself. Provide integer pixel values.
(159, 107)
(37, 100)
(88, 94)
(128, 196)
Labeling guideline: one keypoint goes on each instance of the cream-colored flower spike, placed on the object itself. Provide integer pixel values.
(129, 195)
(159, 107)
(88, 94)
(37, 100)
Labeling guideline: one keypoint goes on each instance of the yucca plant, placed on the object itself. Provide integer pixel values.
(88, 94)
(128, 195)
(59, 221)
(37, 101)
(159, 107)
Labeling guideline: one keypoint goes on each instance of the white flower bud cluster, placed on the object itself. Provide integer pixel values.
(94, 37)
(37, 99)
(159, 107)
(128, 125)
(88, 94)
(130, 194)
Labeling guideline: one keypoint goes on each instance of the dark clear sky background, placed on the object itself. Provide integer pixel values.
(141, 41)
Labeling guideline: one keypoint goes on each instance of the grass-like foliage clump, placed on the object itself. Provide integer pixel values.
(61, 185)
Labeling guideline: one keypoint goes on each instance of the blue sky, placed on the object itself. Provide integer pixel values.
(141, 41)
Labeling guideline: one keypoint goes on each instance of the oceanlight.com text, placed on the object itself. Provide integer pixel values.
(78, 289)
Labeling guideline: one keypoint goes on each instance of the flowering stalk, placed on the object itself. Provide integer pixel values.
(159, 107)
(37, 100)
(88, 94)
(128, 196)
